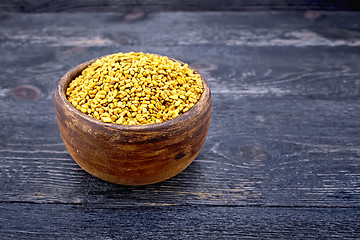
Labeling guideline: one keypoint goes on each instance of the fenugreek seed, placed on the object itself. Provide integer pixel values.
(105, 114)
(102, 92)
(154, 88)
(101, 96)
(106, 119)
(177, 103)
(134, 108)
(74, 103)
(120, 120)
(172, 108)
(163, 95)
(139, 117)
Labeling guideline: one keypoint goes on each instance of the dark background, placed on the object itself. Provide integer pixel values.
(175, 5)
(282, 157)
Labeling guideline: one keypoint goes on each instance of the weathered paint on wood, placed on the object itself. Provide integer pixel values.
(284, 134)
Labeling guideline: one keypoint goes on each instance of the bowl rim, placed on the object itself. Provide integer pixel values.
(204, 100)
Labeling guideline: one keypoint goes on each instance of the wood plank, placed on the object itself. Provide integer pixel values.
(255, 29)
(284, 132)
(177, 5)
(33, 221)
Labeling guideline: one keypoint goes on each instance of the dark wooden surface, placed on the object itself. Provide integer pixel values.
(282, 157)
(174, 5)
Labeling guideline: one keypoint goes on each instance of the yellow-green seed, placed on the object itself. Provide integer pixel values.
(135, 88)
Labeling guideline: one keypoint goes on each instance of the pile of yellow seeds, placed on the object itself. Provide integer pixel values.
(135, 89)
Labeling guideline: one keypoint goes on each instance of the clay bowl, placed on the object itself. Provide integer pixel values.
(131, 154)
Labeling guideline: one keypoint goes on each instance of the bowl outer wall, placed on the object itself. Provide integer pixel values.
(131, 155)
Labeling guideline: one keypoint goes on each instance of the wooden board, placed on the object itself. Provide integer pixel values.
(283, 142)
(175, 5)
(32, 221)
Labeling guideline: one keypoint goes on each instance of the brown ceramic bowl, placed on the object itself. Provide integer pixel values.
(131, 154)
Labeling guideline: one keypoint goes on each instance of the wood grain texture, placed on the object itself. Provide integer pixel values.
(182, 222)
(112, 32)
(283, 140)
(175, 5)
